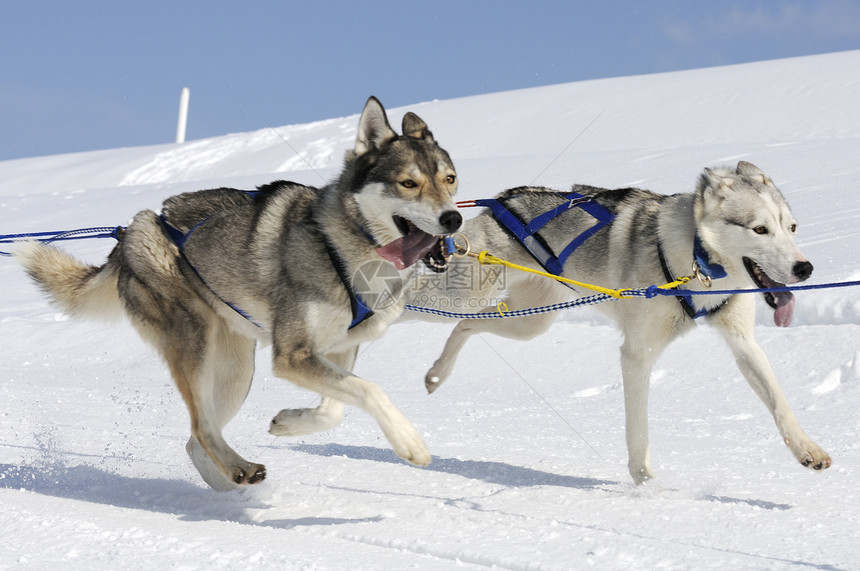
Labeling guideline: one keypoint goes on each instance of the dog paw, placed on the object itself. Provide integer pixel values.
(815, 458)
(432, 382)
(437, 375)
(301, 421)
(641, 475)
(409, 445)
(414, 452)
(250, 474)
(808, 453)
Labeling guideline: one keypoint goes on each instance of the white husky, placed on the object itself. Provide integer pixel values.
(736, 228)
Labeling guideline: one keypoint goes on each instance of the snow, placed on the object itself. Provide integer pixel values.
(529, 467)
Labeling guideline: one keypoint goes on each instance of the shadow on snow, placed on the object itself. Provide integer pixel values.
(486, 471)
(183, 499)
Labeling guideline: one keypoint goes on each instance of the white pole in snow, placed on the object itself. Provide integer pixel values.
(183, 115)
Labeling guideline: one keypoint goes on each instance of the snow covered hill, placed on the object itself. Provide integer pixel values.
(529, 467)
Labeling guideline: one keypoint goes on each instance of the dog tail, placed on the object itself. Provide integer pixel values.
(79, 289)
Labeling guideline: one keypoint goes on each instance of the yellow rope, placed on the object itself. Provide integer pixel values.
(486, 258)
(502, 307)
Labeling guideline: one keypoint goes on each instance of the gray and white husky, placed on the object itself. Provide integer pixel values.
(219, 270)
(744, 227)
(736, 228)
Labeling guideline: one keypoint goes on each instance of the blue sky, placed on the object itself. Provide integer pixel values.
(86, 75)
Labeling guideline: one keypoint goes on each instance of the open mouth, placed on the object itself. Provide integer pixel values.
(438, 256)
(782, 302)
(414, 245)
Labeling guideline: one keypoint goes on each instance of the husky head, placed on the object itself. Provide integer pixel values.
(404, 187)
(746, 225)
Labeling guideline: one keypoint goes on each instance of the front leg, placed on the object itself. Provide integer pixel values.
(329, 413)
(314, 372)
(645, 337)
(636, 365)
(753, 363)
(301, 421)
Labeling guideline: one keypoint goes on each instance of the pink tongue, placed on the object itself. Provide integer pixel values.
(407, 250)
(784, 308)
(784, 302)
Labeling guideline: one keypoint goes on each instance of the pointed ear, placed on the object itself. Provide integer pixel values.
(717, 180)
(414, 127)
(752, 171)
(748, 169)
(712, 190)
(373, 127)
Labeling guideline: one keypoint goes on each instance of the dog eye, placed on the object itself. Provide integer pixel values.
(760, 229)
(793, 228)
(408, 183)
(451, 178)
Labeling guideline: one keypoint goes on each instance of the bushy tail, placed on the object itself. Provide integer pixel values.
(81, 290)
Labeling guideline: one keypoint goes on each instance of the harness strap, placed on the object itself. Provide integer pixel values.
(707, 269)
(527, 233)
(179, 238)
(703, 261)
(360, 310)
(682, 299)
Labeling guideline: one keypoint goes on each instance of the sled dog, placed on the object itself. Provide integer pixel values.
(736, 228)
(219, 270)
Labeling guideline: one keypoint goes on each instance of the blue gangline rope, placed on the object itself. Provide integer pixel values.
(648, 293)
(48, 237)
(654, 290)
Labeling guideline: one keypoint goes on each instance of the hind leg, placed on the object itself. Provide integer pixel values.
(211, 366)
(213, 378)
(212, 369)
(214, 381)
(524, 294)
(299, 421)
(233, 363)
(523, 328)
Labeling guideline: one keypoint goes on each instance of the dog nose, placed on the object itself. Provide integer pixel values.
(450, 221)
(802, 270)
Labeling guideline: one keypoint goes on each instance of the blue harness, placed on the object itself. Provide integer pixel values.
(179, 238)
(527, 232)
(705, 267)
(360, 310)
